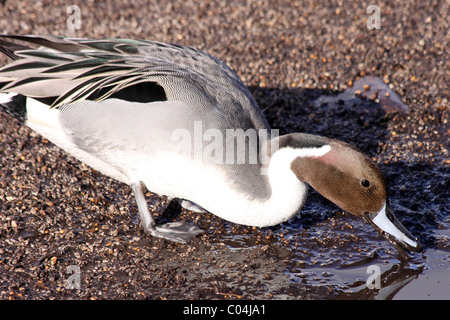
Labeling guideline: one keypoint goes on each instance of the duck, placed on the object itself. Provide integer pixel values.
(179, 122)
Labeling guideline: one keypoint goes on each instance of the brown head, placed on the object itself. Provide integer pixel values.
(351, 180)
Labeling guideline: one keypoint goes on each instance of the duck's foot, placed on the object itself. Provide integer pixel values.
(181, 232)
(191, 206)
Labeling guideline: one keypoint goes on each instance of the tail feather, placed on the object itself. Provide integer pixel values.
(14, 104)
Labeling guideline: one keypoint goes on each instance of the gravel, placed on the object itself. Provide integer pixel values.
(56, 213)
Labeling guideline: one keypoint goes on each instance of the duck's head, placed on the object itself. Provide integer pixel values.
(350, 179)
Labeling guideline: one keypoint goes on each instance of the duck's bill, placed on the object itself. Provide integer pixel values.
(387, 224)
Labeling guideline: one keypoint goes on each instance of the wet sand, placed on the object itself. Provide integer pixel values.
(297, 58)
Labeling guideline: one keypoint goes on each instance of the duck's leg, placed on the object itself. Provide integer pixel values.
(181, 232)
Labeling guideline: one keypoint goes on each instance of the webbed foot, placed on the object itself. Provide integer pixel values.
(180, 231)
(191, 206)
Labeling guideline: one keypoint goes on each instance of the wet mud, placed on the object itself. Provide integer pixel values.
(313, 67)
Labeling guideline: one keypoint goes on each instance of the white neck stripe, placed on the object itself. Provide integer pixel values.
(306, 152)
(314, 152)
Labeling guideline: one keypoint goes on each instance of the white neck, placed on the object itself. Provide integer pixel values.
(287, 195)
(214, 194)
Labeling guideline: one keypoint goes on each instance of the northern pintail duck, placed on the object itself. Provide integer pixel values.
(180, 123)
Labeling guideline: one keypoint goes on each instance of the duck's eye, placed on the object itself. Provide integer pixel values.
(365, 183)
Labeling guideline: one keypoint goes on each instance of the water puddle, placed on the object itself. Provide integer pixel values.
(341, 257)
(433, 282)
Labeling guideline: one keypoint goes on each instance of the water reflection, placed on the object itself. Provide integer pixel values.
(391, 282)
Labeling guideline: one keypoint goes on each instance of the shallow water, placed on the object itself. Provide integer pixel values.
(434, 280)
(318, 259)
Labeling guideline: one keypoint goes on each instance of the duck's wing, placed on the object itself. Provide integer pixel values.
(66, 70)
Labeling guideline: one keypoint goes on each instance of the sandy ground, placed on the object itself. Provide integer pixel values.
(57, 216)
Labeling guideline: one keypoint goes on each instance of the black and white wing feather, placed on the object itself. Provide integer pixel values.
(65, 70)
